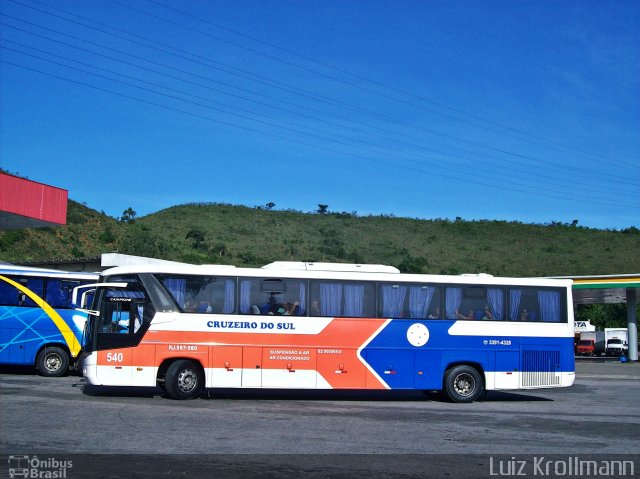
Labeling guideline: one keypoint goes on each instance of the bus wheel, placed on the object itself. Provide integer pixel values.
(52, 362)
(184, 380)
(463, 384)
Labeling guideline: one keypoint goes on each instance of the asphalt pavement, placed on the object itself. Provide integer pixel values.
(137, 432)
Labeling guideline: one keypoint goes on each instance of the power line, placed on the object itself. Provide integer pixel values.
(279, 85)
(358, 77)
(531, 190)
(295, 90)
(522, 188)
(539, 174)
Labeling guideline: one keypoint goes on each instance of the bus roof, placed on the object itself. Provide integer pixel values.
(347, 272)
(344, 267)
(11, 269)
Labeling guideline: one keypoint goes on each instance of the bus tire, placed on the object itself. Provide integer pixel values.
(80, 364)
(184, 380)
(463, 384)
(52, 361)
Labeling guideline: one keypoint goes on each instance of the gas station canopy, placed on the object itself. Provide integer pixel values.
(604, 289)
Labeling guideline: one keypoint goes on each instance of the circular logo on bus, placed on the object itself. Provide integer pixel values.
(417, 335)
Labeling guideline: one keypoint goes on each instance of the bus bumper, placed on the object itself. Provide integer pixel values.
(568, 378)
(90, 368)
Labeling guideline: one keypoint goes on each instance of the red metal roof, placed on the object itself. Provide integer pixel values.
(28, 204)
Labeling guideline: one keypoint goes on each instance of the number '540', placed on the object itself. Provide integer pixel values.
(114, 357)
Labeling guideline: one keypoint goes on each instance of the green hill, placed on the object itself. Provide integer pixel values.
(86, 234)
(244, 236)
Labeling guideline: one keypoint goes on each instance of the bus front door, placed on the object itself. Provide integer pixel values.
(116, 328)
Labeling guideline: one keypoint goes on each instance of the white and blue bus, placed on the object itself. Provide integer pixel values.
(327, 326)
(38, 323)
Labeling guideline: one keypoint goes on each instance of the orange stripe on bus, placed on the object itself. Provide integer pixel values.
(333, 353)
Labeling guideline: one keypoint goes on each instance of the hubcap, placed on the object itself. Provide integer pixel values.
(464, 384)
(187, 380)
(53, 362)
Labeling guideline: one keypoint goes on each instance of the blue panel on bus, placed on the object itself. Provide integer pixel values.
(408, 353)
(395, 366)
(429, 370)
(24, 330)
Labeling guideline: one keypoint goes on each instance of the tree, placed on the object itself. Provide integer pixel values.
(128, 215)
(197, 238)
(220, 249)
(141, 241)
(107, 236)
(270, 205)
(322, 209)
(603, 315)
(411, 264)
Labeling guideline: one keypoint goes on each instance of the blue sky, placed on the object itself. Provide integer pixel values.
(521, 111)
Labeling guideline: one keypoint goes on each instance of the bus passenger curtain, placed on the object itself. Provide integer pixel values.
(178, 289)
(333, 294)
(393, 300)
(302, 306)
(495, 298)
(229, 296)
(514, 301)
(453, 300)
(330, 299)
(123, 293)
(354, 300)
(549, 302)
(245, 296)
(419, 301)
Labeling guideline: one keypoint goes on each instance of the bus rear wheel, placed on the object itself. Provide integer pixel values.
(53, 362)
(184, 380)
(463, 384)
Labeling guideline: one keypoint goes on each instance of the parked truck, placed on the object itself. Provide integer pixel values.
(591, 343)
(616, 341)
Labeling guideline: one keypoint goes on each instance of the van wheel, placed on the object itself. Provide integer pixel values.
(463, 384)
(52, 362)
(184, 380)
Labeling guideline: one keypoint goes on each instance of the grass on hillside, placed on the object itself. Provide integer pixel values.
(243, 236)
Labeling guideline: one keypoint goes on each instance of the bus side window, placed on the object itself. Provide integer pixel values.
(343, 298)
(272, 297)
(11, 296)
(7, 294)
(58, 292)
